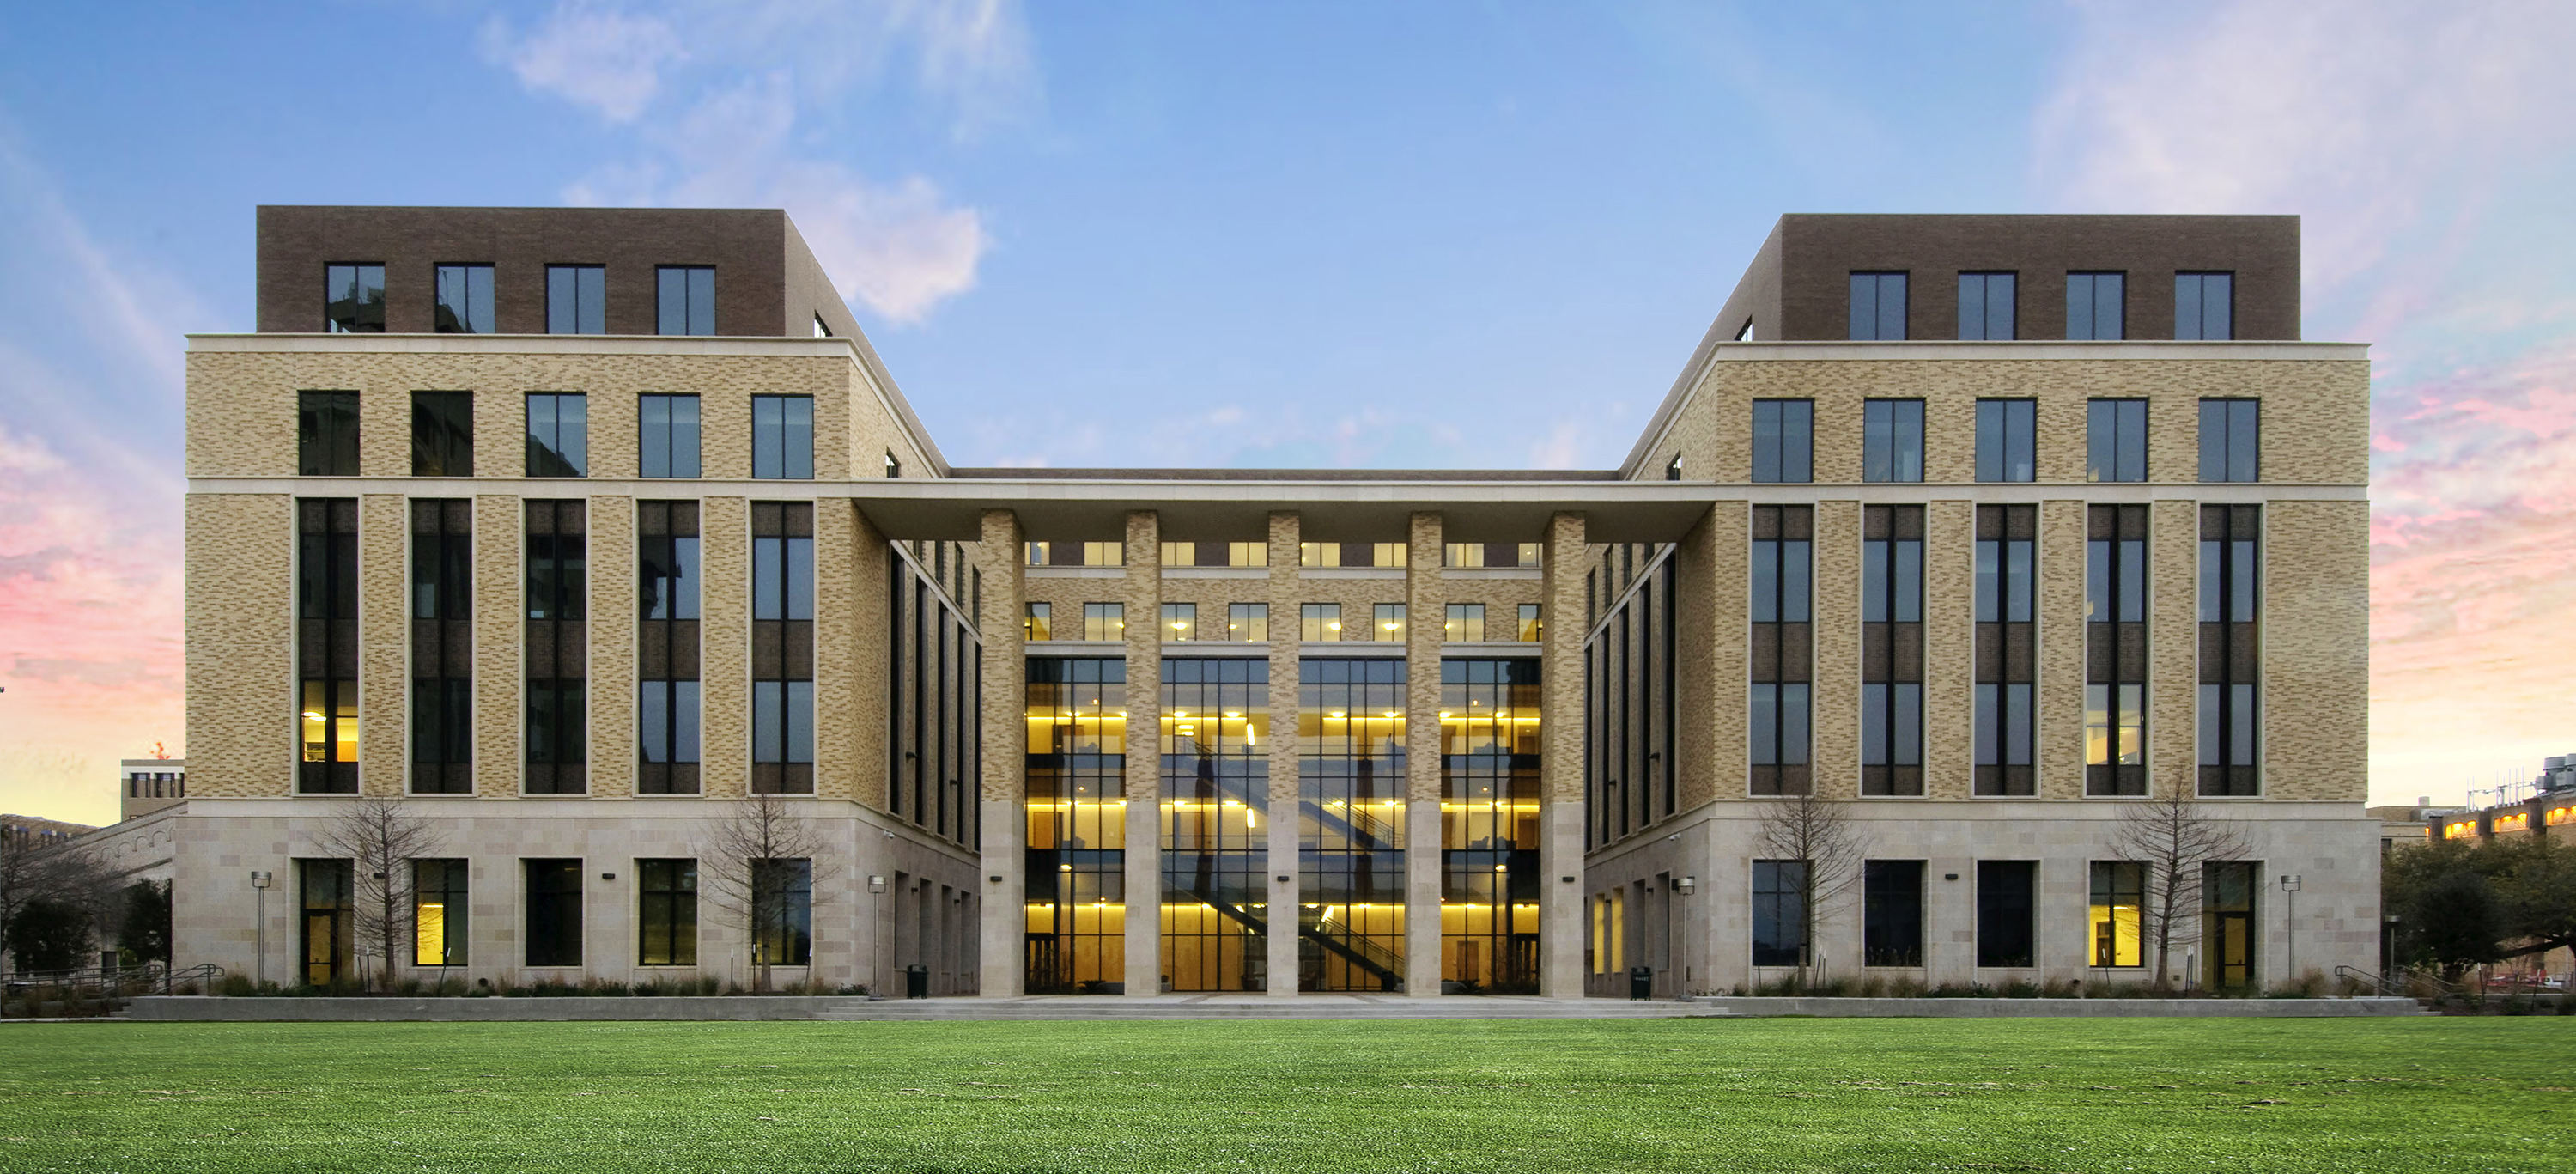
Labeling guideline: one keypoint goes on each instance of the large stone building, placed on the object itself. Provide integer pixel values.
(1983, 529)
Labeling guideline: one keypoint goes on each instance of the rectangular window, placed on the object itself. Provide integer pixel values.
(1389, 554)
(1038, 553)
(2006, 657)
(1529, 623)
(1215, 788)
(324, 890)
(2229, 716)
(1104, 554)
(1892, 440)
(666, 429)
(1352, 763)
(1247, 554)
(557, 648)
(558, 434)
(1319, 621)
(1319, 554)
(893, 467)
(1891, 913)
(2007, 439)
(1784, 440)
(1247, 621)
(1040, 624)
(1877, 307)
(1986, 307)
(439, 913)
(1462, 554)
(666, 913)
(1466, 621)
(2115, 650)
(353, 299)
(1180, 621)
(1673, 471)
(326, 631)
(2204, 307)
(1075, 769)
(668, 701)
(1779, 912)
(1489, 823)
(464, 300)
(1782, 647)
(442, 646)
(1386, 622)
(2119, 897)
(2227, 922)
(554, 912)
(326, 433)
(2097, 306)
(782, 905)
(686, 299)
(2007, 902)
(2115, 440)
(2231, 434)
(576, 299)
(782, 437)
(1180, 554)
(1104, 621)
(442, 434)
(1891, 650)
(782, 648)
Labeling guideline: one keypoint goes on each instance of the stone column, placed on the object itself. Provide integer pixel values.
(1144, 873)
(1285, 818)
(1003, 788)
(1425, 612)
(1561, 722)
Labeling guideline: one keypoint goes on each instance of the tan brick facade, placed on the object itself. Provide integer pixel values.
(241, 629)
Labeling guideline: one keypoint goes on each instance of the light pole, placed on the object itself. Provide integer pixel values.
(2290, 920)
(259, 887)
(876, 923)
(1686, 886)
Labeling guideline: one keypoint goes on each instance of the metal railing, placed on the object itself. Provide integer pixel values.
(125, 979)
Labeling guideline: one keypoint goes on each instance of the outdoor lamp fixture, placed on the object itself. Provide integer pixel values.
(1686, 886)
(876, 884)
(259, 886)
(2289, 884)
(259, 880)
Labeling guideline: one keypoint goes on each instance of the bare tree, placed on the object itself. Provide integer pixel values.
(379, 837)
(1821, 834)
(2173, 836)
(40, 865)
(760, 859)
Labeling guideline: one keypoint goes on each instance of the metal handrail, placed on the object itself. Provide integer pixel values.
(148, 975)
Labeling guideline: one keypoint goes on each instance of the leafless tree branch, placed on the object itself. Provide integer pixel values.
(745, 862)
(2173, 836)
(1820, 832)
(379, 837)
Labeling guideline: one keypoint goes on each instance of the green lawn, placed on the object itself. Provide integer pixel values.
(1636, 1095)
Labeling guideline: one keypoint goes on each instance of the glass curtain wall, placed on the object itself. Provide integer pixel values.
(1489, 789)
(1215, 811)
(1350, 834)
(1077, 804)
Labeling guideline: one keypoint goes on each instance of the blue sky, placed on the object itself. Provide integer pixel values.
(1449, 234)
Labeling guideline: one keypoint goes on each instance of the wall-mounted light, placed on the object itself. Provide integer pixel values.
(876, 884)
(1686, 885)
(259, 880)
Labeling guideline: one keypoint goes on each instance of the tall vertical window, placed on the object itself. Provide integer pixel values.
(440, 915)
(2115, 650)
(326, 433)
(2097, 306)
(2205, 306)
(353, 299)
(1489, 825)
(2227, 922)
(782, 437)
(934, 668)
(893, 467)
(1877, 307)
(1104, 621)
(464, 300)
(1779, 912)
(1247, 621)
(576, 299)
(666, 656)
(1319, 621)
(1350, 792)
(1077, 831)
(323, 891)
(2007, 907)
(557, 649)
(1180, 621)
(2231, 642)
(1039, 623)
(1986, 306)
(1529, 623)
(2231, 436)
(442, 646)
(667, 432)
(553, 889)
(2007, 440)
(2006, 653)
(2119, 897)
(1891, 612)
(1784, 440)
(1673, 471)
(558, 434)
(1629, 682)
(1783, 554)
(442, 434)
(666, 913)
(2115, 440)
(1891, 897)
(782, 904)
(1465, 621)
(1892, 440)
(686, 299)
(326, 639)
(782, 648)
(1215, 822)
(1386, 622)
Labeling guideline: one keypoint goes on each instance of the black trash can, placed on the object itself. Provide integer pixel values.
(1641, 982)
(916, 981)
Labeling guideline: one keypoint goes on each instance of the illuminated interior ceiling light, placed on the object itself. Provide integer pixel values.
(311, 716)
(1336, 625)
(1064, 868)
(1337, 713)
(1233, 713)
(1501, 867)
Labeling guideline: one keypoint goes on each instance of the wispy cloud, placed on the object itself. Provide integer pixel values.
(589, 54)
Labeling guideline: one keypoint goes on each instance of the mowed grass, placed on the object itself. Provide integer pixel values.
(1653, 1095)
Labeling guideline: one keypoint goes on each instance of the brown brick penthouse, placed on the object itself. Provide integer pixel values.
(588, 538)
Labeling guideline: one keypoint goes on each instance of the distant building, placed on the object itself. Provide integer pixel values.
(151, 784)
(2535, 806)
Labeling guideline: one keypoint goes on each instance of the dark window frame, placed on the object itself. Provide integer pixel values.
(670, 562)
(2205, 305)
(2007, 914)
(1892, 634)
(449, 880)
(778, 424)
(326, 433)
(2087, 285)
(359, 315)
(2228, 699)
(556, 610)
(2115, 440)
(441, 606)
(460, 296)
(657, 418)
(1781, 751)
(2004, 703)
(1892, 893)
(2231, 440)
(2007, 440)
(1892, 441)
(783, 582)
(1784, 441)
(442, 434)
(551, 911)
(327, 667)
(572, 309)
(1977, 290)
(557, 446)
(697, 306)
(1870, 316)
(666, 911)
